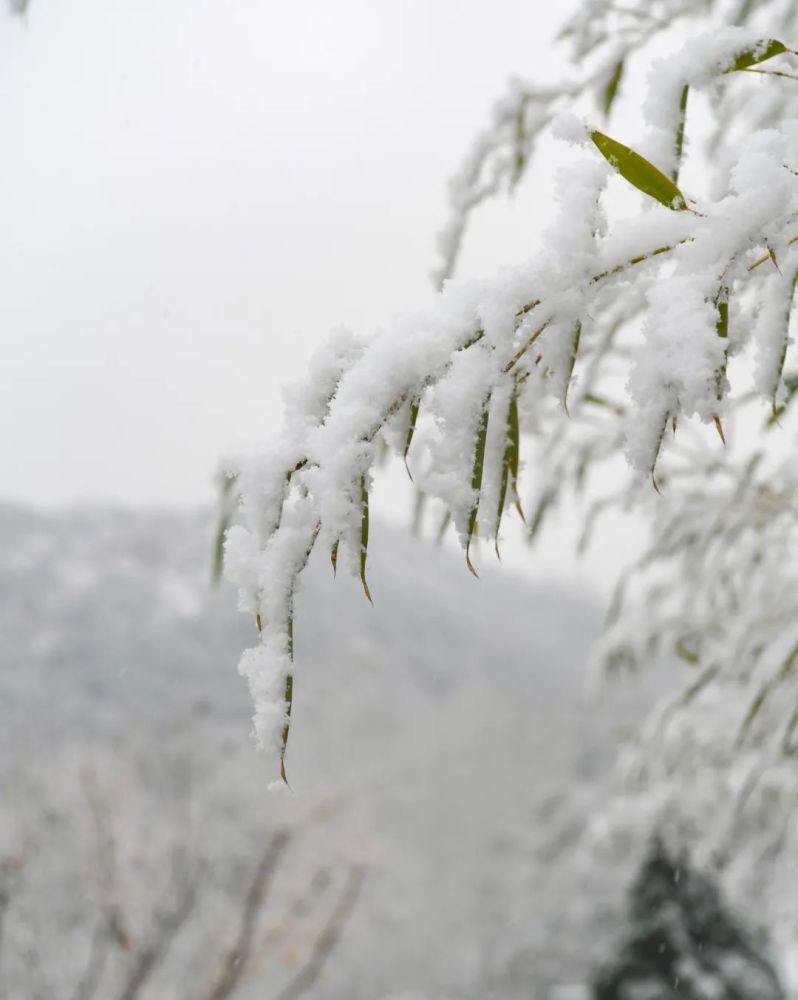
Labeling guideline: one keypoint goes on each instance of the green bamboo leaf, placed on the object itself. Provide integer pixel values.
(545, 501)
(446, 520)
(507, 458)
(639, 172)
(419, 504)
(756, 54)
(411, 428)
(334, 557)
(743, 13)
(786, 739)
(514, 436)
(686, 652)
(610, 91)
(575, 338)
(777, 373)
(791, 384)
(288, 699)
(226, 507)
(753, 711)
(678, 144)
(502, 500)
(476, 477)
(288, 692)
(658, 448)
(364, 534)
(520, 156)
(722, 330)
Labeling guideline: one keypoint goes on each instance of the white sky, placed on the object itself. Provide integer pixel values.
(192, 193)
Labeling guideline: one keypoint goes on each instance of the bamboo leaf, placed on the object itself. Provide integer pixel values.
(288, 692)
(777, 373)
(334, 557)
(678, 145)
(288, 699)
(722, 330)
(686, 652)
(610, 91)
(226, 505)
(639, 172)
(446, 520)
(507, 458)
(575, 337)
(657, 448)
(545, 501)
(364, 534)
(756, 54)
(476, 477)
(411, 428)
(753, 711)
(520, 156)
(514, 436)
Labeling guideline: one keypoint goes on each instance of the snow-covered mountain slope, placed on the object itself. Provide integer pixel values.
(442, 742)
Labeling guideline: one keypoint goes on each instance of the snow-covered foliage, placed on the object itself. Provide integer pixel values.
(625, 334)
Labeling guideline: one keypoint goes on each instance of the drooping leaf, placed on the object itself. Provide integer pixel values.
(226, 505)
(519, 162)
(678, 145)
(791, 386)
(500, 505)
(288, 699)
(419, 504)
(775, 378)
(753, 711)
(476, 477)
(610, 91)
(507, 458)
(685, 651)
(334, 557)
(288, 692)
(658, 447)
(722, 330)
(411, 428)
(446, 520)
(641, 174)
(575, 338)
(364, 534)
(545, 501)
(756, 54)
(514, 440)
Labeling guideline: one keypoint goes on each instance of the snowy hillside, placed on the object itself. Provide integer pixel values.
(442, 752)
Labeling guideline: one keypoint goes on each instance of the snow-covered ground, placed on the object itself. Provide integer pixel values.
(444, 749)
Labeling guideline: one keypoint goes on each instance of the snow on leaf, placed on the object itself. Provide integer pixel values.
(759, 53)
(476, 478)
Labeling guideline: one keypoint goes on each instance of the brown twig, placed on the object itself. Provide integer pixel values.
(236, 960)
(328, 939)
(167, 924)
(111, 927)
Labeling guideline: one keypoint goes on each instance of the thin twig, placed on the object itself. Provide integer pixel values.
(328, 939)
(167, 925)
(236, 960)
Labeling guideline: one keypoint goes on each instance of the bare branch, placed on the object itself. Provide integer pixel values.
(329, 937)
(236, 960)
(167, 925)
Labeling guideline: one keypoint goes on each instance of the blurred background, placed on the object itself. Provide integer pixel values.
(191, 195)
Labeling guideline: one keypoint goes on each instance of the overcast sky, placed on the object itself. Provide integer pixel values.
(193, 193)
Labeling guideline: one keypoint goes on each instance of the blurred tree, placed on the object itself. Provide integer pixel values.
(683, 942)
